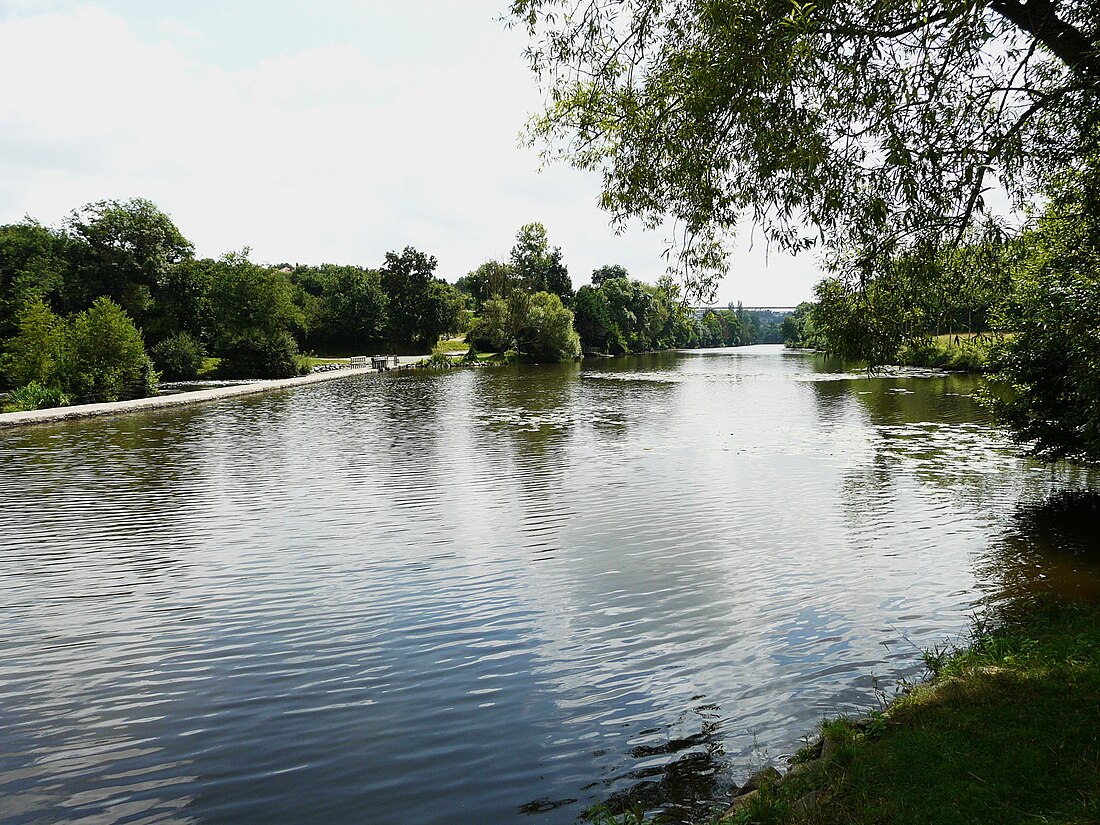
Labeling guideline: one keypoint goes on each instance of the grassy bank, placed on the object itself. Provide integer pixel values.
(962, 352)
(1007, 730)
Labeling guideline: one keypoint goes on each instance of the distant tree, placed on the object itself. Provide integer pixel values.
(127, 251)
(630, 306)
(406, 278)
(443, 305)
(182, 303)
(592, 318)
(607, 272)
(489, 279)
(538, 267)
(180, 357)
(346, 306)
(799, 329)
(492, 331)
(34, 263)
(546, 332)
(255, 316)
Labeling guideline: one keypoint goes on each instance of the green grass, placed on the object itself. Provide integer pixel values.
(962, 351)
(318, 360)
(1006, 731)
(452, 345)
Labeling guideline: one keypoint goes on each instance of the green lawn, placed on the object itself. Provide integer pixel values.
(1007, 731)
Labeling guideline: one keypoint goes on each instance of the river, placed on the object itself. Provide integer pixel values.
(488, 596)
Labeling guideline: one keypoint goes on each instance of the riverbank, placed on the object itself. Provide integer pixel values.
(53, 414)
(1006, 730)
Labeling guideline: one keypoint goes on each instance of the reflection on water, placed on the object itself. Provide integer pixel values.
(1049, 549)
(491, 596)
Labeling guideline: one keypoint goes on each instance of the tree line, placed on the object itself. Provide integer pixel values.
(102, 307)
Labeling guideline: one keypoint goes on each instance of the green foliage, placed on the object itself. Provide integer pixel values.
(257, 353)
(878, 126)
(1049, 362)
(495, 329)
(105, 356)
(607, 272)
(180, 357)
(800, 328)
(34, 261)
(349, 313)
(545, 332)
(492, 278)
(421, 307)
(127, 250)
(35, 396)
(949, 353)
(536, 266)
(182, 302)
(254, 317)
(35, 353)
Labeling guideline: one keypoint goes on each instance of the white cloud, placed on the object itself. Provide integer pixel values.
(323, 154)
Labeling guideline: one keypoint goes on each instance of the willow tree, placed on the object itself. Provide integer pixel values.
(867, 126)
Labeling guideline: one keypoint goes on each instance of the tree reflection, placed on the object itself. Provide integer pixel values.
(1050, 551)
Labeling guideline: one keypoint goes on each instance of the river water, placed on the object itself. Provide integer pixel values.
(492, 596)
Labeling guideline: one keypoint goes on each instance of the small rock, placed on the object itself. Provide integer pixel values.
(799, 768)
(828, 748)
(739, 803)
(767, 776)
(804, 804)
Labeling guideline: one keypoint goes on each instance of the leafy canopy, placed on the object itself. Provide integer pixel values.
(869, 126)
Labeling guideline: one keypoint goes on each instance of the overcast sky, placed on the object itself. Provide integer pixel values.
(311, 131)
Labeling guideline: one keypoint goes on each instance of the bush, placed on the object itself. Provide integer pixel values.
(33, 355)
(35, 396)
(180, 357)
(259, 355)
(105, 356)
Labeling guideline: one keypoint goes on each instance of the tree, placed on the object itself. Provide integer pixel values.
(105, 357)
(255, 316)
(34, 263)
(493, 330)
(35, 352)
(592, 318)
(127, 251)
(349, 310)
(489, 279)
(546, 331)
(538, 267)
(606, 272)
(870, 126)
(1049, 364)
(406, 278)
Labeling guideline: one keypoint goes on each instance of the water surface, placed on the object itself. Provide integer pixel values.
(487, 596)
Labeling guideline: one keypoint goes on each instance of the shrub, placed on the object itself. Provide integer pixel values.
(260, 355)
(105, 356)
(35, 396)
(180, 357)
(34, 354)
